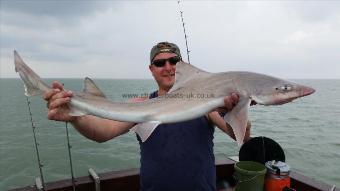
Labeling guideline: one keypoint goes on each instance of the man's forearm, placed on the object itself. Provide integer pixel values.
(99, 129)
(217, 120)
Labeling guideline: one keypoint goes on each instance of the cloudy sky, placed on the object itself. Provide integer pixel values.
(112, 39)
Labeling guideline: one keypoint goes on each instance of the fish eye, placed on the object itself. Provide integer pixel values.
(286, 87)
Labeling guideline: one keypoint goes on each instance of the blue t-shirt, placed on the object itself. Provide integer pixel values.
(179, 156)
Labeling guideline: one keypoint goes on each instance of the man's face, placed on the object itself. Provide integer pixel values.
(165, 75)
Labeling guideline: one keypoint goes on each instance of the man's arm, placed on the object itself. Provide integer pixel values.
(92, 127)
(99, 129)
(217, 120)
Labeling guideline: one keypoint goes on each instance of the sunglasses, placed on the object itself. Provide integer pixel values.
(161, 62)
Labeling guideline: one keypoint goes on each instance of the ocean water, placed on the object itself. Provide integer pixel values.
(307, 129)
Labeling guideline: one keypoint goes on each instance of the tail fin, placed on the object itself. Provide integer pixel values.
(32, 82)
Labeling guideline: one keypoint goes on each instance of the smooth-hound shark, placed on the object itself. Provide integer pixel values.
(195, 93)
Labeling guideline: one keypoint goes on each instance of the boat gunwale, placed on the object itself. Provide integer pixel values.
(129, 180)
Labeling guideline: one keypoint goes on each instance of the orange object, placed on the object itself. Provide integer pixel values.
(276, 184)
(277, 176)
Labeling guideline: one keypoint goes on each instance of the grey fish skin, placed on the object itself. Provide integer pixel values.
(195, 93)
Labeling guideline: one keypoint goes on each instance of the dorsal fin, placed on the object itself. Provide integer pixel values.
(186, 72)
(91, 88)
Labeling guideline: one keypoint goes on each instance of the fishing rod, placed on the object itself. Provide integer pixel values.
(184, 31)
(40, 185)
(70, 157)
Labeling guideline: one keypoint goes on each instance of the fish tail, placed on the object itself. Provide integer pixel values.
(32, 82)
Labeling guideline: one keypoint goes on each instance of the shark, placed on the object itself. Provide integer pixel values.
(194, 93)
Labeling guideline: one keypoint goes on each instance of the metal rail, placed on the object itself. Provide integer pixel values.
(96, 179)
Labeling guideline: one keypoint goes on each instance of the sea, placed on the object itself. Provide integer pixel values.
(307, 129)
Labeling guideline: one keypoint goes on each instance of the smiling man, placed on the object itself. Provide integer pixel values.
(163, 58)
(177, 156)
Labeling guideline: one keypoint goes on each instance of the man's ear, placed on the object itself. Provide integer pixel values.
(151, 68)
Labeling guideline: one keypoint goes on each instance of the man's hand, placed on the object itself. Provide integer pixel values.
(57, 100)
(229, 103)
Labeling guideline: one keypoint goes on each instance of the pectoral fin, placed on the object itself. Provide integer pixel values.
(145, 129)
(238, 118)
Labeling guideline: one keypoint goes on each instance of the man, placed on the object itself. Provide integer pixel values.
(176, 156)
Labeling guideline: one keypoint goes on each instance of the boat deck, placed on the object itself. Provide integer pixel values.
(128, 180)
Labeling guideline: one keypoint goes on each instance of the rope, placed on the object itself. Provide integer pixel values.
(263, 150)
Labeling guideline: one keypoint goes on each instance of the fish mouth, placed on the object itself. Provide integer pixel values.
(307, 91)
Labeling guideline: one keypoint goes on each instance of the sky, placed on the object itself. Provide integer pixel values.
(112, 39)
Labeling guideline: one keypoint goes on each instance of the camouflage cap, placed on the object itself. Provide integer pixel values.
(164, 47)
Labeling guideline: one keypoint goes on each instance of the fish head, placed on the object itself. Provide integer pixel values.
(278, 92)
